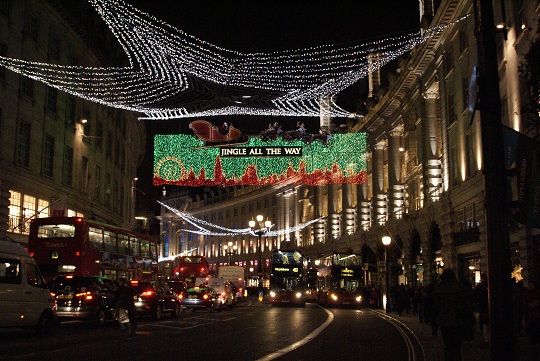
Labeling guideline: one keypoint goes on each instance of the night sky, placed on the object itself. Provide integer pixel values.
(273, 25)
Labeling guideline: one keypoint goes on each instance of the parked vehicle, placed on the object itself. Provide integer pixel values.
(25, 300)
(155, 298)
(201, 298)
(84, 297)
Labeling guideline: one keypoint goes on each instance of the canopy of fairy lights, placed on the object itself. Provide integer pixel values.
(174, 75)
(210, 229)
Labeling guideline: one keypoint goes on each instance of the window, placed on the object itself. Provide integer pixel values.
(15, 205)
(48, 155)
(52, 99)
(22, 153)
(109, 241)
(43, 208)
(107, 189)
(99, 135)
(463, 40)
(84, 175)
(95, 238)
(97, 189)
(108, 146)
(29, 211)
(71, 109)
(452, 117)
(54, 47)
(448, 61)
(10, 271)
(68, 166)
(33, 276)
(465, 92)
(27, 86)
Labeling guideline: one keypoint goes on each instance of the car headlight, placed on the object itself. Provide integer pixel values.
(272, 294)
(359, 299)
(333, 296)
(298, 294)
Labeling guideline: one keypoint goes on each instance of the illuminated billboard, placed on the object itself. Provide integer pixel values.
(186, 160)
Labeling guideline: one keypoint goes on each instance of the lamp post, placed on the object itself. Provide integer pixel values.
(230, 249)
(262, 229)
(386, 240)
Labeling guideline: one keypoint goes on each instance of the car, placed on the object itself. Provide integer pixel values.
(177, 286)
(155, 298)
(84, 297)
(201, 298)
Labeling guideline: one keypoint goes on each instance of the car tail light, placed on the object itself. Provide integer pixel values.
(77, 253)
(180, 296)
(224, 295)
(205, 296)
(87, 296)
(31, 254)
(147, 293)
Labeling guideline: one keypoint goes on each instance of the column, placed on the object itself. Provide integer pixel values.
(432, 163)
(379, 198)
(395, 181)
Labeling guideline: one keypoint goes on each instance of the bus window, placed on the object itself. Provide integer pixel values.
(145, 249)
(95, 236)
(109, 241)
(134, 244)
(56, 231)
(123, 244)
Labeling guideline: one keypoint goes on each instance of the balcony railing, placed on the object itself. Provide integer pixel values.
(468, 236)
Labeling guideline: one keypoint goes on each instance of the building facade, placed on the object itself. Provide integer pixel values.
(425, 186)
(59, 152)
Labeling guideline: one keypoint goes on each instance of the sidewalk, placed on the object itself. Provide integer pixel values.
(471, 351)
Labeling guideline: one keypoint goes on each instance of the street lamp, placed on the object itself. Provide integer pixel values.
(230, 249)
(386, 240)
(262, 229)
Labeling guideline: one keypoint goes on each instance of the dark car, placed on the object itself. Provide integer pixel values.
(155, 298)
(83, 297)
(201, 298)
(177, 286)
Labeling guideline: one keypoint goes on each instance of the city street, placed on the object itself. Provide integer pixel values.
(251, 331)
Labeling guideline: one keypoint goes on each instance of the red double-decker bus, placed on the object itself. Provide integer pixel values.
(189, 268)
(340, 280)
(286, 280)
(74, 245)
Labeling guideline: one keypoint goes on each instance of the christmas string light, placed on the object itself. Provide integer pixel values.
(174, 75)
(231, 232)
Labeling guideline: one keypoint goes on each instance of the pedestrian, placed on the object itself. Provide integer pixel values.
(482, 306)
(450, 303)
(124, 300)
(429, 309)
(531, 313)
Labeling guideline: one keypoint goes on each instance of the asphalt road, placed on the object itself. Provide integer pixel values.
(251, 331)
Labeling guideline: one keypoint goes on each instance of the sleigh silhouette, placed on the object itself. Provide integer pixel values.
(209, 133)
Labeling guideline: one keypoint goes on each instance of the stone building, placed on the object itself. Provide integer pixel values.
(59, 152)
(425, 186)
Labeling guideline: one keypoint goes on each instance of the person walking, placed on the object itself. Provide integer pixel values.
(126, 306)
(453, 310)
(482, 305)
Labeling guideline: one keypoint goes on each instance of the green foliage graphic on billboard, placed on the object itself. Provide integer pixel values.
(184, 160)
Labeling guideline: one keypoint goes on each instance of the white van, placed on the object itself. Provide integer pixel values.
(25, 300)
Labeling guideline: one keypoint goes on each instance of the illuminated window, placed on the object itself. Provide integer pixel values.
(43, 208)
